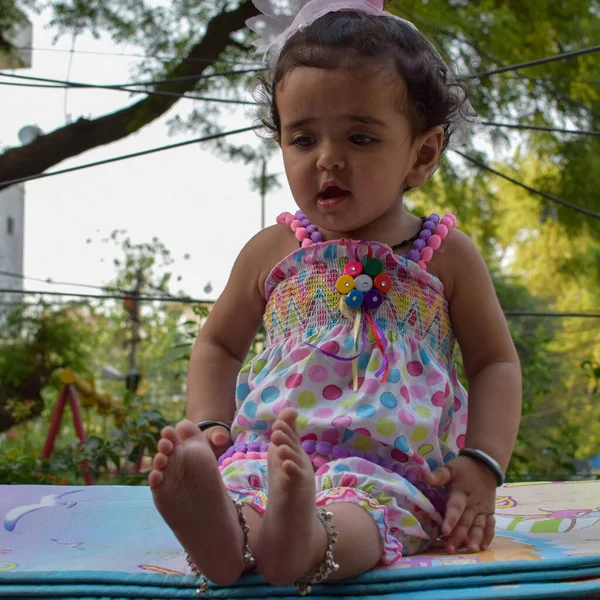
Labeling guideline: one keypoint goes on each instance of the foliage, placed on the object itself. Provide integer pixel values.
(34, 342)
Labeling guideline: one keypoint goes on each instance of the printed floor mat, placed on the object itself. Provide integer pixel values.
(109, 542)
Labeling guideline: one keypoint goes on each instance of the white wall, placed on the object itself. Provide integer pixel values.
(12, 207)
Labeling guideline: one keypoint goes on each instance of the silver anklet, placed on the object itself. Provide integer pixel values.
(328, 566)
(249, 560)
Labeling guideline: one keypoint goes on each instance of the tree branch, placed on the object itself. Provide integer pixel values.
(85, 134)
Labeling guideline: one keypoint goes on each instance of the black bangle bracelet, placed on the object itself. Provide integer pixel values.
(207, 424)
(487, 460)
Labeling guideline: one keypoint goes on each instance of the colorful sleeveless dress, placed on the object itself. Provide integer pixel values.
(377, 394)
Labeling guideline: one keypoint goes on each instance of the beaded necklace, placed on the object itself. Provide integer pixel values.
(428, 239)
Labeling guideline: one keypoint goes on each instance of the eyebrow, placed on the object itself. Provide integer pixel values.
(365, 119)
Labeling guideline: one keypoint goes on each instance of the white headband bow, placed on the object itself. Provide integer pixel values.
(275, 28)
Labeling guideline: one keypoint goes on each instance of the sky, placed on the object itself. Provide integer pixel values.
(194, 202)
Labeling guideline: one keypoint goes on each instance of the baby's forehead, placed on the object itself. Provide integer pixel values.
(341, 93)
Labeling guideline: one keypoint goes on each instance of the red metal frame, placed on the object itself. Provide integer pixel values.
(67, 393)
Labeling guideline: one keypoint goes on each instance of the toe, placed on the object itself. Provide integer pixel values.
(186, 429)
(165, 446)
(160, 462)
(169, 433)
(289, 415)
(155, 479)
(280, 438)
(286, 452)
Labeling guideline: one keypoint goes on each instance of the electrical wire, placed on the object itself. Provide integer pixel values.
(482, 165)
(126, 296)
(207, 138)
(188, 300)
(539, 128)
(51, 281)
(531, 63)
(76, 85)
(125, 55)
(65, 83)
(244, 102)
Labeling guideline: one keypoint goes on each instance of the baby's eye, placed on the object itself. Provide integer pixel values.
(302, 141)
(362, 140)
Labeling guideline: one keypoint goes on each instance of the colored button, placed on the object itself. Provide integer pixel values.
(344, 284)
(373, 299)
(363, 283)
(355, 299)
(373, 267)
(383, 283)
(353, 268)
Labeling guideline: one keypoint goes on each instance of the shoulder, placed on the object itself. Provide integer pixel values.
(456, 259)
(264, 250)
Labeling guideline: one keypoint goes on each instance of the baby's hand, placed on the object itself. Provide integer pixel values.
(219, 439)
(470, 510)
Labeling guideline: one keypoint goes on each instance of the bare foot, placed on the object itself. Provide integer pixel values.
(189, 494)
(292, 540)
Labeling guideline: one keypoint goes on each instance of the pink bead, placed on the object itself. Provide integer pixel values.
(426, 254)
(289, 217)
(434, 242)
(295, 224)
(448, 222)
(301, 233)
(422, 265)
(239, 456)
(441, 230)
(281, 217)
(319, 461)
(227, 461)
(452, 217)
(253, 455)
(306, 242)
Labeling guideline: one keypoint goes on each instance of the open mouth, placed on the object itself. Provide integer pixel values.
(333, 192)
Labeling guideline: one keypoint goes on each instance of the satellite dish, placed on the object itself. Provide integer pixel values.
(29, 134)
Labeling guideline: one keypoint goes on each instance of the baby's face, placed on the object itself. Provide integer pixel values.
(346, 143)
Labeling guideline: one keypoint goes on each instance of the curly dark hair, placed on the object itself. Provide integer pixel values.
(347, 39)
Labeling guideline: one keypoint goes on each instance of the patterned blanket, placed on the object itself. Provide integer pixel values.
(109, 542)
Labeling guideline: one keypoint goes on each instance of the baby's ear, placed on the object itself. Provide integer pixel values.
(426, 147)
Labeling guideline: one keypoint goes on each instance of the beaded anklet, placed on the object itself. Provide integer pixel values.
(328, 566)
(249, 560)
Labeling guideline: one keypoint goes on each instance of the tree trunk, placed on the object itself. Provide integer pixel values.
(85, 134)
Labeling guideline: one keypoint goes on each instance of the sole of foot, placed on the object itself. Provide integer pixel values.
(292, 541)
(189, 494)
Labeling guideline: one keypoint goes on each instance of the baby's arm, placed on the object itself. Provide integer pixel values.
(225, 338)
(489, 356)
(494, 385)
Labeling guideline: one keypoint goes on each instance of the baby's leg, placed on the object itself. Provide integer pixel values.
(189, 494)
(292, 540)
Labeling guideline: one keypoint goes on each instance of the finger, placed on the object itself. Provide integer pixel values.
(219, 436)
(488, 532)
(440, 476)
(454, 510)
(459, 533)
(476, 533)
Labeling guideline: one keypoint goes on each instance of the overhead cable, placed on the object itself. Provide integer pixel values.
(540, 128)
(188, 300)
(531, 63)
(482, 165)
(63, 83)
(97, 163)
(120, 88)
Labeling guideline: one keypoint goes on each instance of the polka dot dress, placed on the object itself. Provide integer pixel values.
(370, 438)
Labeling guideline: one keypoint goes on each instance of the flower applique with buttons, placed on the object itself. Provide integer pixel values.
(363, 288)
